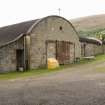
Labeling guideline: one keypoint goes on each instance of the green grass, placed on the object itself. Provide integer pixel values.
(29, 73)
(93, 33)
(98, 58)
(40, 72)
(100, 70)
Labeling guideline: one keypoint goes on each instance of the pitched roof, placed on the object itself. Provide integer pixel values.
(11, 32)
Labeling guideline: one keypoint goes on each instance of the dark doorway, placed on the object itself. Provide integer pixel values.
(20, 59)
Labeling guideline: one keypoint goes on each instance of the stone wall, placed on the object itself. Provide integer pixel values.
(103, 47)
(52, 28)
(98, 49)
(8, 56)
(89, 49)
(72, 53)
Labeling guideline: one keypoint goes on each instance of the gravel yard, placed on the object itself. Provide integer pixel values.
(78, 85)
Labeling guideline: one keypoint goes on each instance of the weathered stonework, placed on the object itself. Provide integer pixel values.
(8, 56)
(89, 49)
(49, 29)
(33, 46)
(103, 48)
(40, 39)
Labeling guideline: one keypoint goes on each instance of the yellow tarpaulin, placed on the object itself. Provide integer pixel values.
(52, 63)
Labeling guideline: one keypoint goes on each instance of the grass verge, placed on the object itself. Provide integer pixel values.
(39, 72)
(100, 70)
(29, 73)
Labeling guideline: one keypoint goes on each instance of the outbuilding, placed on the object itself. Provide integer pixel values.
(91, 46)
(29, 44)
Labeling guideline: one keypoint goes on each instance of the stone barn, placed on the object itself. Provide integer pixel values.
(90, 46)
(29, 44)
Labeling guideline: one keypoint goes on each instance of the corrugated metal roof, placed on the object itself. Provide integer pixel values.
(90, 40)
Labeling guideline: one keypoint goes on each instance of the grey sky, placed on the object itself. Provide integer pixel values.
(14, 11)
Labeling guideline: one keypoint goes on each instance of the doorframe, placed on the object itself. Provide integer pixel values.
(46, 45)
(55, 41)
(22, 58)
(67, 43)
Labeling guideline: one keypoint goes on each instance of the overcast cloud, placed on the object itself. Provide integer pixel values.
(14, 11)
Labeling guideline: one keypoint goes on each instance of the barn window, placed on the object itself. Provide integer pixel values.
(60, 28)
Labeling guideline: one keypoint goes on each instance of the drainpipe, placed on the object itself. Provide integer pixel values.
(27, 51)
(24, 52)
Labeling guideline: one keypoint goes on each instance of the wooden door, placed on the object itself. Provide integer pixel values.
(83, 49)
(63, 52)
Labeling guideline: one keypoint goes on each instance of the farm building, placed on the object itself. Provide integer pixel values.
(91, 46)
(103, 45)
(28, 45)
